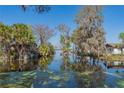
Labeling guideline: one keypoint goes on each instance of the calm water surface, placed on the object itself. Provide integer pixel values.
(56, 74)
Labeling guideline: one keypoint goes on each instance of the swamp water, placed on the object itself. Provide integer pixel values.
(56, 74)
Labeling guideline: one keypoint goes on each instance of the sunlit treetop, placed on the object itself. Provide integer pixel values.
(22, 33)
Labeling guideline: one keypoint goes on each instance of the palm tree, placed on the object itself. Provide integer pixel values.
(5, 38)
(23, 37)
(22, 33)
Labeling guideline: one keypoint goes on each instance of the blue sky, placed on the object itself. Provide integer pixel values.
(113, 19)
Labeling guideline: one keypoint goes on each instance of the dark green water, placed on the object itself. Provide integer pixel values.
(56, 74)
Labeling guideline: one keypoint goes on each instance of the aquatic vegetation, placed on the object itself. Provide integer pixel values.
(11, 86)
(31, 73)
(120, 83)
(45, 82)
(87, 80)
(17, 80)
(55, 77)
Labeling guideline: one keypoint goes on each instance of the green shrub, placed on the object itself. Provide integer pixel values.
(46, 49)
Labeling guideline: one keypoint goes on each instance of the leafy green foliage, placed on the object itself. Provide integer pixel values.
(46, 49)
(45, 61)
(121, 35)
(15, 41)
(5, 31)
(22, 33)
(120, 83)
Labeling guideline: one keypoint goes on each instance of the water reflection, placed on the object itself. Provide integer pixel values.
(44, 62)
(28, 65)
(73, 73)
(15, 79)
(66, 63)
(115, 64)
(88, 72)
(81, 64)
(90, 80)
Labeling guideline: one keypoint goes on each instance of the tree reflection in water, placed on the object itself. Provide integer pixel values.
(26, 77)
(89, 73)
(44, 62)
(28, 65)
(90, 80)
(81, 72)
(66, 63)
(18, 65)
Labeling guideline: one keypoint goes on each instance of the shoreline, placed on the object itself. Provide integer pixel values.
(113, 57)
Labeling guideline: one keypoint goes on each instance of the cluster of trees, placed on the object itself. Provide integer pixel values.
(18, 41)
(45, 33)
(89, 37)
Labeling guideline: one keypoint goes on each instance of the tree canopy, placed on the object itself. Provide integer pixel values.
(89, 36)
(121, 36)
(22, 33)
(44, 32)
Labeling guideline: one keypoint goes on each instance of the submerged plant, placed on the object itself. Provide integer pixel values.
(120, 83)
